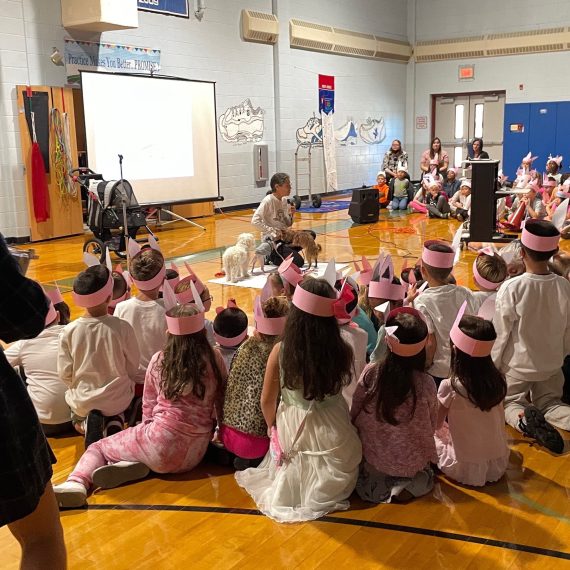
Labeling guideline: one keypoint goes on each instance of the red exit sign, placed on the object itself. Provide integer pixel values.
(466, 72)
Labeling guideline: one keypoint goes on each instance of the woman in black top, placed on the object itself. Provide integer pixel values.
(475, 150)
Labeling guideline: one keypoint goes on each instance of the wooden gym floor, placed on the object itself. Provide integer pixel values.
(204, 520)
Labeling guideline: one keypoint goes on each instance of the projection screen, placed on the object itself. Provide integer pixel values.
(165, 128)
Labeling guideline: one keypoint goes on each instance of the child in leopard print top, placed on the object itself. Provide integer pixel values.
(244, 431)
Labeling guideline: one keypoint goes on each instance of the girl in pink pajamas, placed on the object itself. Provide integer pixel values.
(183, 390)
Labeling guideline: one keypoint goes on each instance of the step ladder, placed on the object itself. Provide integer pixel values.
(304, 177)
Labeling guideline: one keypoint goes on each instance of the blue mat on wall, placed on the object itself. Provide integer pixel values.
(326, 206)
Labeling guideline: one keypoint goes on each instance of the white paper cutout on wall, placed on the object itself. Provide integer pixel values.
(373, 131)
(347, 134)
(242, 123)
(311, 133)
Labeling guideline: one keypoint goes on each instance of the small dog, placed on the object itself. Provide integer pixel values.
(311, 249)
(237, 258)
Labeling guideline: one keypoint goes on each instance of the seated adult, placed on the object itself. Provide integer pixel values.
(434, 159)
(273, 215)
(394, 156)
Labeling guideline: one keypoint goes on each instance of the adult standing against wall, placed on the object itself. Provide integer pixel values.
(27, 501)
(434, 159)
(394, 156)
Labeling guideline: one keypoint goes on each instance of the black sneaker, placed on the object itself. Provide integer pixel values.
(534, 425)
(94, 427)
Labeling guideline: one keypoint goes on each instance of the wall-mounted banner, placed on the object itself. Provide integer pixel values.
(326, 94)
(94, 56)
(168, 7)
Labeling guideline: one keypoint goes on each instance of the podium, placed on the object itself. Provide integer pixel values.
(483, 218)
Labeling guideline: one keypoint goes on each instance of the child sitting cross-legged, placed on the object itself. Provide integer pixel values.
(121, 289)
(230, 331)
(243, 431)
(489, 273)
(395, 411)
(98, 357)
(472, 443)
(184, 384)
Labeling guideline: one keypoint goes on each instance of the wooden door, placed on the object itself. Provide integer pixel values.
(65, 210)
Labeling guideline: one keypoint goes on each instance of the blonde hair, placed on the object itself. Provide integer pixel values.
(492, 267)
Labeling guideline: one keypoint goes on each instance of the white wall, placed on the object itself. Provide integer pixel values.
(543, 76)
(213, 50)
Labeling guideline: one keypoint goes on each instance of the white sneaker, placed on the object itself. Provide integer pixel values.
(111, 476)
(70, 495)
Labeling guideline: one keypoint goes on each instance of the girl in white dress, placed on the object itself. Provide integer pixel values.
(306, 371)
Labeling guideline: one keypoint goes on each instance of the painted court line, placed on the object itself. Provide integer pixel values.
(352, 522)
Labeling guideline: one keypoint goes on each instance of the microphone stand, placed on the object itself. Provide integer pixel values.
(124, 200)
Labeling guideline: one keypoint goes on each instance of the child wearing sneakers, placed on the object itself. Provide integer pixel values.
(183, 386)
(145, 312)
(98, 357)
(38, 359)
(244, 431)
(230, 331)
(383, 189)
(532, 320)
(472, 443)
(489, 273)
(439, 304)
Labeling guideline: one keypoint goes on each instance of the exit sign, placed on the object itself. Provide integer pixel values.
(466, 72)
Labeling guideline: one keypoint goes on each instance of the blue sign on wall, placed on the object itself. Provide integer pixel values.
(170, 7)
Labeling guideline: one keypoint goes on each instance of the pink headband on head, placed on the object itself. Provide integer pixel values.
(481, 281)
(539, 243)
(174, 280)
(383, 288)
(230, 342)
(52, 313)
(187, 296)
(364, 273)
(151, 283)
(271, 326)
(345, 296)
(313, 304)
(289, 272)
(180, 326)
(97, 298)
(392, 340)
(440, 259)
(467, 344)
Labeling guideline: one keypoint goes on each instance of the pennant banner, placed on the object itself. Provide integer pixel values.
(168, 7)
(94, 56)
(326, 94)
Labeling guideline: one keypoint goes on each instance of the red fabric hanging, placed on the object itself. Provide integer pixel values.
(40, 192)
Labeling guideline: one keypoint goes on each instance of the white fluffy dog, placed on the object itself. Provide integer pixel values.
(237, 258)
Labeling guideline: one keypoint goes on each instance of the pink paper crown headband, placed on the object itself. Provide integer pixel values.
(100, 296)
(187, 296)
(440, 259)
(289, 272)
(383, 288)
(467, 344)
(184, 325)
(135, 249)
(481, 281)
(229, 342)
(114, 302)
(271, 326)
(364, 271)
(539, 243)
(393, 342)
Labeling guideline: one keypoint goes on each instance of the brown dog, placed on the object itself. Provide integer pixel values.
(311, 249)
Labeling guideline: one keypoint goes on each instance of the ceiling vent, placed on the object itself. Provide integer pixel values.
(259, 27)
(493, 45)
(317, 37)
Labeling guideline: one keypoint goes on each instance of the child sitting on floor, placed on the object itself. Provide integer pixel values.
(37, 358)
(145, 312)
(532, 321)
(243, 431)
(230, 331)
(183, 385)
(439, 304)
(472, 444)
(395, 411)
(121, 290)
(400, 188)
(489, 273)
(383, 189)
(317, 450)
(460, 202)
(98, 358)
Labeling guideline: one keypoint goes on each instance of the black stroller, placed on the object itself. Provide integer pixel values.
(113, 213)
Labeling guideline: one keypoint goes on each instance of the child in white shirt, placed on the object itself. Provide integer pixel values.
(98, 357)
(439, 304)
(38, 357)
(532, 320)
(145, 312)
(460, 202)
(489, 273)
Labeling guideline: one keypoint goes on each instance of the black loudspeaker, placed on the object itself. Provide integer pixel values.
(364, 207)
(483, 201)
